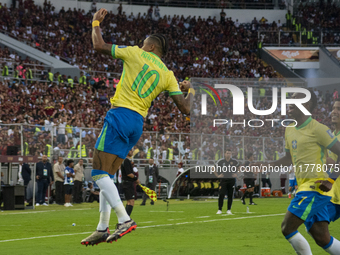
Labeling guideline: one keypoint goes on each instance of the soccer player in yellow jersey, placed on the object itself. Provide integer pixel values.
(144, 77)
(306, 149)
(323, 239)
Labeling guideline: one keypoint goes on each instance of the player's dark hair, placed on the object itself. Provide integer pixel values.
(227, 149)
(249, 154)
(162, 41)
(69, 162)
(313, 100)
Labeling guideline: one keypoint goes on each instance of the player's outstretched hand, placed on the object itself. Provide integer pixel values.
(184, 86)
(325, 185)
(100, 15)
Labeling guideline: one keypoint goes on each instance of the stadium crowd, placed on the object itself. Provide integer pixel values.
(214, 48)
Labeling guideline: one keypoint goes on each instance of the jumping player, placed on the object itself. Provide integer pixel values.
(144, 77)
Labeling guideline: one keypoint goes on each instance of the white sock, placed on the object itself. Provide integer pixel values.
(111, 195)
(105, 212)
(299, 243)
(334, 248)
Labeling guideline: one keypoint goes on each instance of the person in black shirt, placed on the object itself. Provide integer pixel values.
(128, 178)
(44, 174)
(223, 15)
(249, 180)
(26, 175)
(227, 171)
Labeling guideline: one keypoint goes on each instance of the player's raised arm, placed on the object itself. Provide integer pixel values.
(97, 39)
(184, 103)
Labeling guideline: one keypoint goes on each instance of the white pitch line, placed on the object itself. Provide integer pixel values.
(39, 237)
(203, 217)
(27, 212)
(47, 211)
(146, 222)
(151, 226)
(167, 211)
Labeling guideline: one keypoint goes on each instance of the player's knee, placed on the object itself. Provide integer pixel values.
(322, 240)
(284, 229)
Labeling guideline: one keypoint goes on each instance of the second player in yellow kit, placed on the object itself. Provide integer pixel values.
(308, 146)
(333, 207)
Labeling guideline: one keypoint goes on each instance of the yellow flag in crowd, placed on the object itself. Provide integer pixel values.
(152, 194)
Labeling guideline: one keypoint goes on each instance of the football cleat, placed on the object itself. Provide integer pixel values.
(121, 230)
(96, 237)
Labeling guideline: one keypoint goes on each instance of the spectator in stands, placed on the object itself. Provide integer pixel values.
(335, 94)
(222, 17)
(120, 9)
(180, 169)
(61, 130)
(150, 11)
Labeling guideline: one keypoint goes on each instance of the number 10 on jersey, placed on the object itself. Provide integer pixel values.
(142, 79)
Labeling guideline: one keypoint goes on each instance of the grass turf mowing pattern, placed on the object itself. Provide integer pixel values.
(189, 233)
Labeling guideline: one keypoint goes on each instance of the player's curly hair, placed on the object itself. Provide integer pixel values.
(162, 41)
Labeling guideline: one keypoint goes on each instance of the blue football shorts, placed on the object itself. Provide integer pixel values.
(121, 131)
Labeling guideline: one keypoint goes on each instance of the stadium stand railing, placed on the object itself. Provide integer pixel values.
(268, 4)
(78, 142)
(296, 38)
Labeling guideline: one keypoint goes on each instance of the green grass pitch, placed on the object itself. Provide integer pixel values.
(189, 227)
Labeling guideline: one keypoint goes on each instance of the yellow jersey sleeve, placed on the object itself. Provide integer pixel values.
(122, 52)
(324, 136)
(173, 87)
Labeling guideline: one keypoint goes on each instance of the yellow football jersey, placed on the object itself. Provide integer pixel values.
(144, 77)
(335, 191)
(308, 146)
